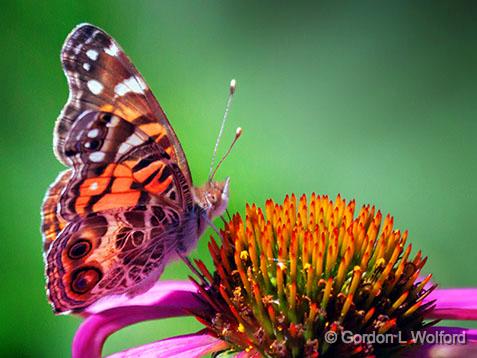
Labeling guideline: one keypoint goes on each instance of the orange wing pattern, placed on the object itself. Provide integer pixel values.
(117, 165)
(52, 223)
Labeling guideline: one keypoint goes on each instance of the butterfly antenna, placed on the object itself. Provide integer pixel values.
(232, 87)
(238, 133)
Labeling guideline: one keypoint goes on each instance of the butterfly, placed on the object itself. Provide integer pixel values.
(126, 205)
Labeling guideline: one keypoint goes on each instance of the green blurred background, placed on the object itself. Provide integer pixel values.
(373, 100)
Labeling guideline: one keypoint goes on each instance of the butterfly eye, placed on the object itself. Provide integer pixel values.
(79, 249)
(84, 279)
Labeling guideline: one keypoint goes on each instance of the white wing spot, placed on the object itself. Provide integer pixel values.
(141, 83)
(93, 133)
(121, 89)
(113, 122)
(135, 140)
(95, 87)
(96, 156)
(112, 50)
(132, 84)
(123, 148)
(93, 186)
(92, 54)
(86, 66)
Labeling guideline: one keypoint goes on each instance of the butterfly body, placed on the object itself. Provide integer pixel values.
(126, 206)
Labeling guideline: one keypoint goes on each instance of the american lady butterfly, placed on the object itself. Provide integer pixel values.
(126, 205)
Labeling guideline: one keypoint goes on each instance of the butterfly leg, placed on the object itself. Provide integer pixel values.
(217, 231)
(191, 266)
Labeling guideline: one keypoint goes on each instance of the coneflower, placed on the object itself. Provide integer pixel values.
(289, 281)
(303, 278)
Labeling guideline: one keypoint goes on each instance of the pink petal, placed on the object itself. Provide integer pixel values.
(155, 294)
(441, 349)
(165, 299)
(190, 346)
(470, 333)
(447, 351)
(454, 303)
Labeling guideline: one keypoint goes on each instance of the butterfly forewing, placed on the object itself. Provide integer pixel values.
(117, 165)
(102, 78)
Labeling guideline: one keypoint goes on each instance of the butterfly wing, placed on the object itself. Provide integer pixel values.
(110, 253)
(102, 78)
(52, 223)
(113, 220)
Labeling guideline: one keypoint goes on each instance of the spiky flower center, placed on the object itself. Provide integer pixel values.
(285, 278)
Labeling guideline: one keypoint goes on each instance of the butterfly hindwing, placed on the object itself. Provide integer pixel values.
(110, 252)
(52, 222)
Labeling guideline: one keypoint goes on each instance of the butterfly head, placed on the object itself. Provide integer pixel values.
(213, 197)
